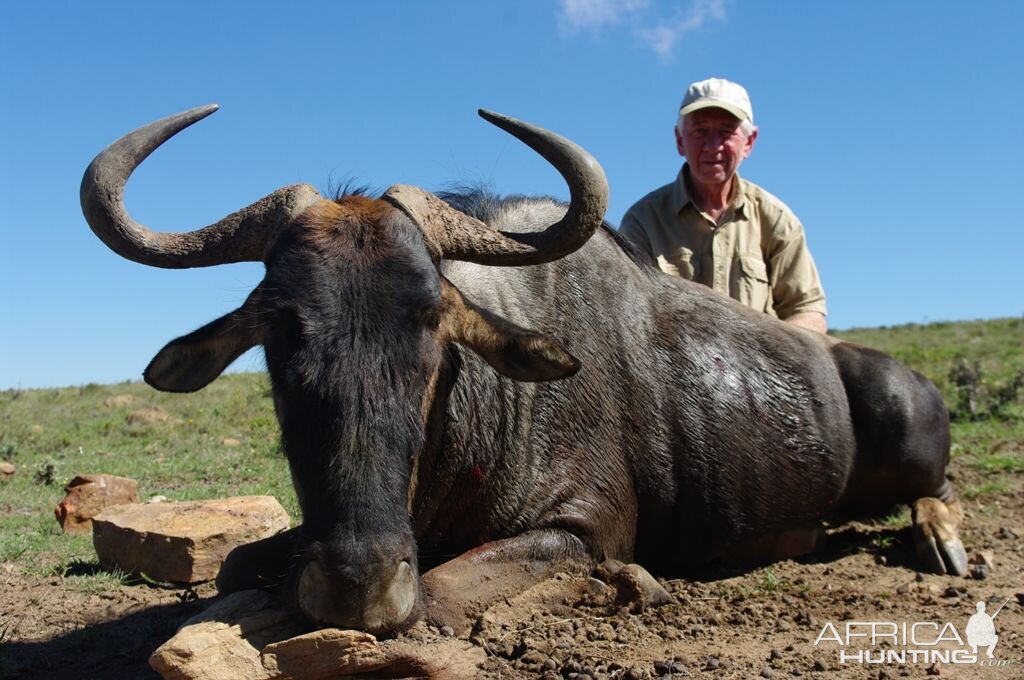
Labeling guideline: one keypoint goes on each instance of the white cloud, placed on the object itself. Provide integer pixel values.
(581, 15)
(660, 34)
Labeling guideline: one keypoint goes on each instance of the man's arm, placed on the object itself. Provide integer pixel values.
(797, 294)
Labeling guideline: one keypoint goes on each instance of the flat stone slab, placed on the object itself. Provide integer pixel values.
(249, 635)
(183, 542)
(88, 495)
(224, 642)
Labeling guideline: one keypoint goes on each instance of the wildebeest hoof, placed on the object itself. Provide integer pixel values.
(638, 590)
(942, 557)
(935, 539)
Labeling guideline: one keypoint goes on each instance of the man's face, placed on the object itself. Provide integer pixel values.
(714, 145)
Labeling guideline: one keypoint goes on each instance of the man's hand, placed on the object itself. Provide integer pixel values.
(814, 321)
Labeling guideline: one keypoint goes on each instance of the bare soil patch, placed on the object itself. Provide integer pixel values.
(756, 623)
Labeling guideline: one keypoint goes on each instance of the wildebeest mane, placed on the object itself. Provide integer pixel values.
(485, 205)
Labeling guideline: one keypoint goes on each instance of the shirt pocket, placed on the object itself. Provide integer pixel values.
(754, 289)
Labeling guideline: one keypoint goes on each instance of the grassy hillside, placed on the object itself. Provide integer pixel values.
(223, 440)
(997, 346)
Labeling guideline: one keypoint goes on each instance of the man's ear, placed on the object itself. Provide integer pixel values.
(511, 350)
(749, 146)
(192, 361)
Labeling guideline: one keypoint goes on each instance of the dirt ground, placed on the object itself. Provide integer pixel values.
(758, 623)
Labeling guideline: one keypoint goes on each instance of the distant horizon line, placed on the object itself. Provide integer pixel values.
(233, 371)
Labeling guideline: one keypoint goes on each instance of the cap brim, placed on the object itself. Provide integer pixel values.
(714, 104)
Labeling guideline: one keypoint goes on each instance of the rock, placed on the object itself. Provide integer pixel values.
(1006, 534)
(88, 495)
(183, 542)
(638, 589)
(607, 570)
(7, 470)
(323, 654)
(984, 557)
(225, 641)
(332, 653)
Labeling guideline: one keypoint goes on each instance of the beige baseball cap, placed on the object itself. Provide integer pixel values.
(717, 93)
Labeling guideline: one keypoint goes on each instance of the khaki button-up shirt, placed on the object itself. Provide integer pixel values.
(756, 253)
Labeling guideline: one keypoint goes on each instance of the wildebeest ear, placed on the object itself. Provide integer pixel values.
(192, 361)
(511, 350)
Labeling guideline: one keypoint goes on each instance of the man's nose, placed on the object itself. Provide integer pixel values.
(714, 140)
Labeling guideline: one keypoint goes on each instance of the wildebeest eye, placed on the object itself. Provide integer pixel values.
(432, 318)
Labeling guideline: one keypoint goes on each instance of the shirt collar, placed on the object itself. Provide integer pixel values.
(681, 196)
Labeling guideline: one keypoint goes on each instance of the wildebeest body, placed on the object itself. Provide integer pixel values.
(693, 421)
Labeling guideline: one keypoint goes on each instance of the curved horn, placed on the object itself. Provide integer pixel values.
(460, 237)
(243, 236)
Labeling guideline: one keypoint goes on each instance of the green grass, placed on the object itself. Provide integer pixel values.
(934, 348)
(995, 487)
(997, 463)
(52, 435)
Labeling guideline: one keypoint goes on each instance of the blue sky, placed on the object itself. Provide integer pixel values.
(891, 129)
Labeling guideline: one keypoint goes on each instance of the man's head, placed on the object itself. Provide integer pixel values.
(715, 130)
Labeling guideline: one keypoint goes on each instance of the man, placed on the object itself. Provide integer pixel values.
(981, 631)
(715, 228)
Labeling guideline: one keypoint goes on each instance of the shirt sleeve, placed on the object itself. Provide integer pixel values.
(796, 286)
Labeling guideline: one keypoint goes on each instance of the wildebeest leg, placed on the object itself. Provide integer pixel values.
(260, 564)
(460, 590)
(775, 545)
(935, 521)
(903, 441)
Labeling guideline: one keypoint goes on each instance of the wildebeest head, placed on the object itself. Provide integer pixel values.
(354, 316)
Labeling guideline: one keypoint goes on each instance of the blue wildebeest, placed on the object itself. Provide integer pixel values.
(433, 416)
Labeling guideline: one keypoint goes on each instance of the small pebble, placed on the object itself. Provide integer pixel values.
(447, 631)
(820, 666)
(767, 673)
